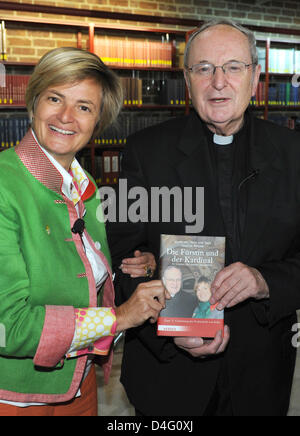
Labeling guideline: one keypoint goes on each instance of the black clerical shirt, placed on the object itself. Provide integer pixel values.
(231, 164)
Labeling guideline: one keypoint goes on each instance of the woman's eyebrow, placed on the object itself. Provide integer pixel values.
(87, 102)
(78, 101)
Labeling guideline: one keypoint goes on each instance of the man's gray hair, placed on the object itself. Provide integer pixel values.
(171, 267)
(248, 33)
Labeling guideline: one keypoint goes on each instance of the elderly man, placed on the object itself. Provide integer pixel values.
(182, 304)
(250, 171)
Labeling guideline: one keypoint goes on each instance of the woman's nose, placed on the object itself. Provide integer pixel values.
(66, 114)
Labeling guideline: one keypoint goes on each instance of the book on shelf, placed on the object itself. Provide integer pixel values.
(3, 42)
(13, 92)
(188, 266)
(133, 91)
(279, 94)
(291, 122)
(261, 52)
(156, 90)
(12, 131)
(98, 169)
(180, 49)
(129, 52)
(137, 91)
(297, 61)
(127, 124)
(284, 61)
(106, 167)
(173, 92)
(115, 167)
(281, 60)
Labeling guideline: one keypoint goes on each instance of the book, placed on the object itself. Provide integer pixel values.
(3, 42)
(14, 89)
(12, 130)
(107, 173)
(129, 52)
(188, 266)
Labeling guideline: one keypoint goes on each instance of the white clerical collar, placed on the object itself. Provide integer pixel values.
(223, 140)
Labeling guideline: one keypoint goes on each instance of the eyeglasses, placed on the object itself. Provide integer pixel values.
(174, 281)
(233, 68)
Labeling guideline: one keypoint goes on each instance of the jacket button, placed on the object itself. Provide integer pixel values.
(97, 245)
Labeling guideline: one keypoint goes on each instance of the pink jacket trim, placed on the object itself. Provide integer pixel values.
(57, 336)
(50, 398)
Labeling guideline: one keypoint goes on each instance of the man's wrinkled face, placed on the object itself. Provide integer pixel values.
(173, 281)
(221, 99)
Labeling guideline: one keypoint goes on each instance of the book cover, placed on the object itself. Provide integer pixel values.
(188, 266)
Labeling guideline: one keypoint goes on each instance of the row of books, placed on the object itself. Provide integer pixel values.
(108, 162)
(129, 52)
(133, 91)
(12, 130)
(286, 121)
(282, 61)
(129, 123)
(107, 165)
(285, 61)
(13, 89)
(279, 94)
(170, 91)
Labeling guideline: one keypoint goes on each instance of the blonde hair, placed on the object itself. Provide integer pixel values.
(70, 65)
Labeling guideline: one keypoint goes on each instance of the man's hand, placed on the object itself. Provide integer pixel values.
(145, 304)
(199, 347)
(237, 283)
(140, 265)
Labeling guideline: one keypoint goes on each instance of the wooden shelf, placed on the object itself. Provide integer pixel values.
(279, 75)
(72, 20)
(125, 107)
(43, 23)
(18, 64)
(137, 18)
(135, 68)
(112, 67)
(273, 107)
(107, 146)
(153, 107)
(12, 107)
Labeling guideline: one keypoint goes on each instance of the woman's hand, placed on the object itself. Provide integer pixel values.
(198, 347)
(145, 304)
(141, 265)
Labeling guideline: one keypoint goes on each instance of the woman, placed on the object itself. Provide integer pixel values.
(55, 262)
(205, 310)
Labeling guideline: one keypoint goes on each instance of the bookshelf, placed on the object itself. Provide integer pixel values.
(155, 89)
(148, 81)
(277, 93)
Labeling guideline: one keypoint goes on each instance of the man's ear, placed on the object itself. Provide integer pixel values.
(188, 82)
(255, 80)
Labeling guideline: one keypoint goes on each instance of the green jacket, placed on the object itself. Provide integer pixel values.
(44, 275)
